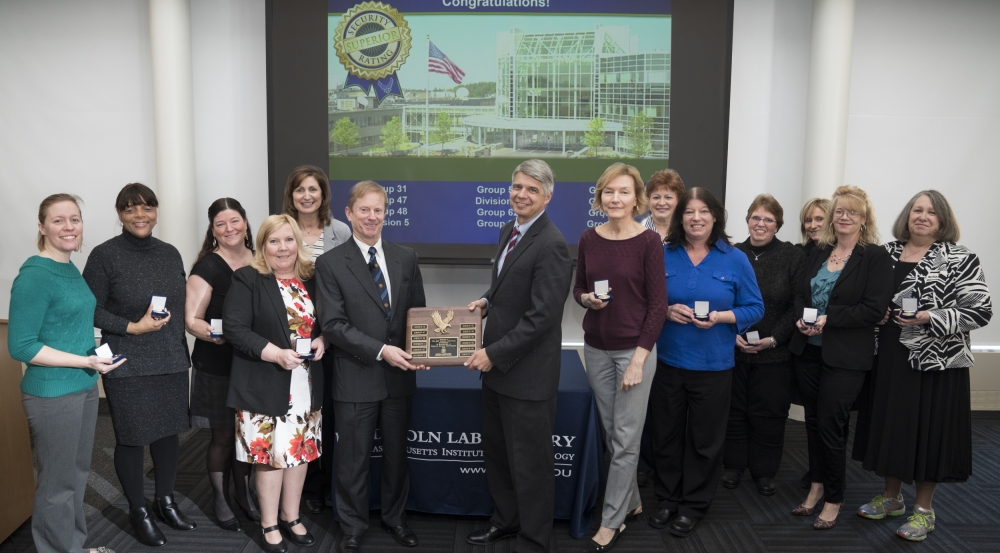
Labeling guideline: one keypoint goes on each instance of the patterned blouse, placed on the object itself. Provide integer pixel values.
(316, 249)
(950, 285)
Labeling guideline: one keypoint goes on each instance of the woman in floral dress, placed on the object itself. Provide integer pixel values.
(277, 393)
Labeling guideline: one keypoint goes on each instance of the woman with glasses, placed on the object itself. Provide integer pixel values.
(763, 378)
(846, 283)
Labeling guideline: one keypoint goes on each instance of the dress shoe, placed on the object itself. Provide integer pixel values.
(169, 512)
(145, 528)
(304, 540)
(598, 548)
(766, 485)
(492, 535)
(731, 478)
(402, 534)
(350, 544)
(823, 524)
(233, 524)
(661, 518)
(682, 526)
(280, 547)
(314, 506)
(633, 514)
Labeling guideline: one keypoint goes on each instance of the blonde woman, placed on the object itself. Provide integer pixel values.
(848, 280)
(276, 392)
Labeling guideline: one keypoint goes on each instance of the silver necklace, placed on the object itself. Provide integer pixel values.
(756, 255)
(838, 260)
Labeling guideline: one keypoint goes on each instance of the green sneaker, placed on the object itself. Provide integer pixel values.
(880, 506)
(918, 525)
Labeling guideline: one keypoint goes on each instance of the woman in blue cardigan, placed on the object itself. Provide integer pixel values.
(695, 355)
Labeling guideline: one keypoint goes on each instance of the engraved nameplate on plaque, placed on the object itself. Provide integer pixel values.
(443, 336)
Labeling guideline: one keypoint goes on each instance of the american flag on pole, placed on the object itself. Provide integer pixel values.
(437, 62)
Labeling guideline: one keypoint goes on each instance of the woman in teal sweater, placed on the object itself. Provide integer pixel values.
(52, 331)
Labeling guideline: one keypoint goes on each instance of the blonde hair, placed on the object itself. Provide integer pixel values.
(43, 212)
(614, 171)
(854, 198)
(363, 188)
(806, 211)
(303, 264)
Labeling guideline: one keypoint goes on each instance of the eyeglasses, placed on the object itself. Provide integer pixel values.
(757, 220)
(838, 213)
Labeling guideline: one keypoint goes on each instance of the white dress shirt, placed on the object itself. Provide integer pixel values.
(380, 258)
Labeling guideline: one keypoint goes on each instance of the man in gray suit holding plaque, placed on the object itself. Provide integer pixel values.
(520, 362)
(364, 288)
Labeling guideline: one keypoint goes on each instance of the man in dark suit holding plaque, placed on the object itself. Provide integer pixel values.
(520, 362)
(365, 287)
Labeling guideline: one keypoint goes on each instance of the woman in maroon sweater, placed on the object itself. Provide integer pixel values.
(619, 332)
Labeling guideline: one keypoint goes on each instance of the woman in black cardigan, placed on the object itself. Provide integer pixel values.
(848, 279)
(277, 393)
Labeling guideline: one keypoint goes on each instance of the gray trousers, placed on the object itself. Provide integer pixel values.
(62, 429)
(622, 416)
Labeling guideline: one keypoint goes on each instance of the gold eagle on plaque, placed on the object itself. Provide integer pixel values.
(442, 324)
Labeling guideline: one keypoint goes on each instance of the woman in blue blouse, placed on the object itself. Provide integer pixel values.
(693, 379)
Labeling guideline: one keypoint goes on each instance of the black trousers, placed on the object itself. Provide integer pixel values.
(520, 469)
(647, 459)
(319, 475)
(827, 395)
(755, 436)
(356, 423)
(688, 436)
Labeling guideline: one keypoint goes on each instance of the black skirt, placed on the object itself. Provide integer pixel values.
(914, 425)
(208, 401)
(147, 408)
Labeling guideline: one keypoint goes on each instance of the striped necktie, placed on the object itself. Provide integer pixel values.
(510, 246)
(379, 280)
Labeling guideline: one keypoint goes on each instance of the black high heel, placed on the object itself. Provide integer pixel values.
(233, 525)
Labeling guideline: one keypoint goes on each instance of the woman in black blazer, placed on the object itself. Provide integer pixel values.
(277, 393)
(848, 279)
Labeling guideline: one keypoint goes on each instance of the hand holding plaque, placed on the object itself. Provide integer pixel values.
(443, 336)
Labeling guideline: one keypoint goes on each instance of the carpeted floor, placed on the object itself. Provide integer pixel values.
(740, 520)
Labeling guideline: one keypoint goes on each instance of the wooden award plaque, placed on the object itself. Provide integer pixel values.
(443, 336)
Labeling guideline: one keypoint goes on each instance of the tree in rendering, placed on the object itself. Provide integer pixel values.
(594, 136)
(638, 135)
(442, 129)
(392, 135)
(344, 133)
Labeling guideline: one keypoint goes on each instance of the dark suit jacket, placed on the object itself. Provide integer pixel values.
(355, 322)
(254, 315)
(523, 334)
(858, 301)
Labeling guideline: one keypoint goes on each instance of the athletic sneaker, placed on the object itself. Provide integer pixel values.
(918, 525)
(880, 506)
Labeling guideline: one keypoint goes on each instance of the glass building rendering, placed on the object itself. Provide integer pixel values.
(551, 85)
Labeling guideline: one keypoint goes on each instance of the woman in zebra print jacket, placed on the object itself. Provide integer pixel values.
(915, 424)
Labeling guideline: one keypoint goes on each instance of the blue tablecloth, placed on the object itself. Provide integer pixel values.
(447, 475)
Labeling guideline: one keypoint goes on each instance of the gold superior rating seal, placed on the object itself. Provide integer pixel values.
(372, 41)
